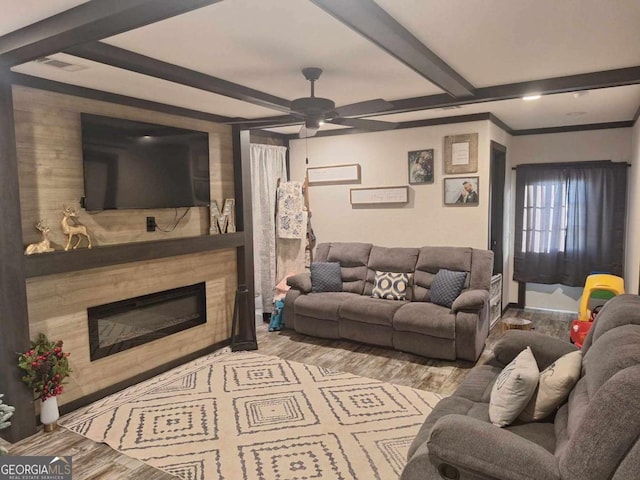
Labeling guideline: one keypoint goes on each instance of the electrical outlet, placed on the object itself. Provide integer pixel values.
(151, 224)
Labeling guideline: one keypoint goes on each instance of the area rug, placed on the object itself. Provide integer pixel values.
(249, 416)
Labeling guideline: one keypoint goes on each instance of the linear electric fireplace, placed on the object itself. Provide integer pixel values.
(118, 326)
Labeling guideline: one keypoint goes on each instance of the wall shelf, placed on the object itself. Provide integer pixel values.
(103, 256)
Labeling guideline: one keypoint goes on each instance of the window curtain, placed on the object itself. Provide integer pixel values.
(569, 221)
(268, 165)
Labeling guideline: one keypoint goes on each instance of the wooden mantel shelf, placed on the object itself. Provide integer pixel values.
(102, 256)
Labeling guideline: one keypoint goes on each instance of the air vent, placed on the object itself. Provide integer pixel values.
(451, 107)
(66, 66)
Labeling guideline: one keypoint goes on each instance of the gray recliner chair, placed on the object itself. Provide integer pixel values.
(595, 435)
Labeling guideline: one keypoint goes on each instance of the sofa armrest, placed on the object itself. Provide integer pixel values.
(471, 300)
(478, 449)
(301, 282)
(546, 349)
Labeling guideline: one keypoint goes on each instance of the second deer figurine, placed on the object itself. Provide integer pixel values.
(75, 228)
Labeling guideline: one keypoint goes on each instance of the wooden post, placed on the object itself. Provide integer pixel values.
(14, 319)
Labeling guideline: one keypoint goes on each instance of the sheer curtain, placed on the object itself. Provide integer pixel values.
(268, 164)
(569, 221)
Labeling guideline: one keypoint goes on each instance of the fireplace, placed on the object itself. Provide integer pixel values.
(118, 326)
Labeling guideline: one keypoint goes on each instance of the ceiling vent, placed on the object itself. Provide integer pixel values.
(66, 66)
(451, 107)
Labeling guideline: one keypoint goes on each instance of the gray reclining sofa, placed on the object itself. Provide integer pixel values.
(412, 325)
(594, 435)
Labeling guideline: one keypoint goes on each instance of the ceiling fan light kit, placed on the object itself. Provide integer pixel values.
(316, 111)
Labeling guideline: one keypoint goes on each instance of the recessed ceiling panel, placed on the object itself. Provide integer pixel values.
(493, 42)
(263, 44)
(110, 79)
(20, 13)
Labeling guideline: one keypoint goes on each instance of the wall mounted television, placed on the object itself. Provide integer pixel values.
(131, 164)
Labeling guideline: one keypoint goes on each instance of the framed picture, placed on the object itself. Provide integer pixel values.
(461, 153)
(333, 175)
(420, 164)
(461, 191)
(368, 196)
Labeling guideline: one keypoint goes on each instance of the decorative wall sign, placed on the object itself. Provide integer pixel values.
(420, 165)
(373, 195)
(461, 191)
(335, 174)
(461, 153)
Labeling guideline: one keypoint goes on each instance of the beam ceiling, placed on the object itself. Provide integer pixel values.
(375, 24)
(88, 22)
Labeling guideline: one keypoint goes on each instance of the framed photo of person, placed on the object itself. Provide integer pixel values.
(461, 191)
(420, 165)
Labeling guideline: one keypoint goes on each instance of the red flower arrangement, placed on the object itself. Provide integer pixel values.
(46, 366)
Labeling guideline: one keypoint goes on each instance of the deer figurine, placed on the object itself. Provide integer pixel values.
(75, 228)
(43, 246)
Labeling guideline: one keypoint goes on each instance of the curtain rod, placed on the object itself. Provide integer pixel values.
(593, 163)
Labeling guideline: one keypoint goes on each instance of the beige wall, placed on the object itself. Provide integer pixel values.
(632, 270)
(383, 159)
(611, 144)
(48, 138)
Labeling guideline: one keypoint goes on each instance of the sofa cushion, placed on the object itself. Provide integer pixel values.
(353, 258)
(555, 384)
(326, 277)
(383, 259)
(391, 285)
(478, 383)
(513, 389)
(432, 259)
(370, 310)
(615, 350)
(446, 286)
(322, 305)
(427, 319)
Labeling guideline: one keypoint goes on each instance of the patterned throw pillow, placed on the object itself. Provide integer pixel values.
(446, 287)
(326, 277)
(391, 285)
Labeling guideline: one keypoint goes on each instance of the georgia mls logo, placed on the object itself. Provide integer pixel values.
(35, 468)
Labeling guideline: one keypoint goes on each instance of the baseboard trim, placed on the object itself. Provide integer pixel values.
(510, 305)
(92, 397)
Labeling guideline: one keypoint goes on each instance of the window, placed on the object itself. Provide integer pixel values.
(569, 221)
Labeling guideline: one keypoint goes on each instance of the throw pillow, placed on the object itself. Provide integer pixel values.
(556, 382)
(513, 389)
(446, 287)
(326, 277)
(391, 285)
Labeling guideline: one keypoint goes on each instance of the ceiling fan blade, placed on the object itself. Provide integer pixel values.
(306, 132)
(364, 108)
(364, 124)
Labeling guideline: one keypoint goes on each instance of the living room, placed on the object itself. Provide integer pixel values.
(588, 112)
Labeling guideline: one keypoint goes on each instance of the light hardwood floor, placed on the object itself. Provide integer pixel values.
(93, 460)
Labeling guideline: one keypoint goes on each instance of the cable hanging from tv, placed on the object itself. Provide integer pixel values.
(176, 221)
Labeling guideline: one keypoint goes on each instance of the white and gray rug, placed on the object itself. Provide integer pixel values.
(248, 416)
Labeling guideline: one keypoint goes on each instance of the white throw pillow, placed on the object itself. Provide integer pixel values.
(556, 382)
(513, 389)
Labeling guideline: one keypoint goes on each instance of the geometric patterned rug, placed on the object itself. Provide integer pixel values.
(248, 416)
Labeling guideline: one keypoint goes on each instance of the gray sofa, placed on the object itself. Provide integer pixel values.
(413, 325)
(595, 435)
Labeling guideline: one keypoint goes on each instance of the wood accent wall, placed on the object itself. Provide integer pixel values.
(49, 148)
(49, 145)
(58, 307)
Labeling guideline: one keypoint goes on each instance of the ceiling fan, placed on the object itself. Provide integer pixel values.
(316, 111)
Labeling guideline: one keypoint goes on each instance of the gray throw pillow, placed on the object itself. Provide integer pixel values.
(326, 277)
(446, 287)
(391, 285)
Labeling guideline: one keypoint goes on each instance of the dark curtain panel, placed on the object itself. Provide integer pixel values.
(569, 221)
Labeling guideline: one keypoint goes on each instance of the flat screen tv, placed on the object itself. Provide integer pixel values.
(131, 164)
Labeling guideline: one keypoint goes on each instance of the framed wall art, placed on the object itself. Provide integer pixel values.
(461, 153)
(335, 174)
(461, 191)
(420, 165)
(373, 195)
